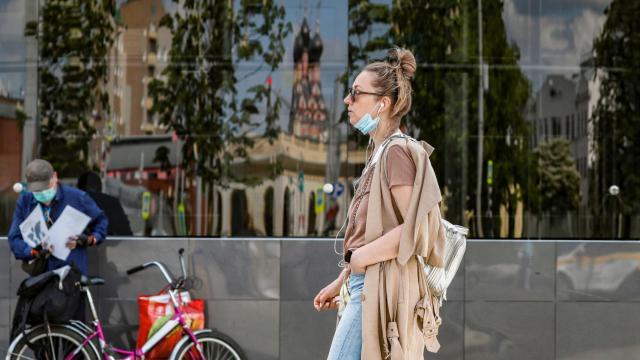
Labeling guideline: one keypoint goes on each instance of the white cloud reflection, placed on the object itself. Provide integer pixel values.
(553, 36)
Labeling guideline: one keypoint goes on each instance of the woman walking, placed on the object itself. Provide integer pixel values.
(394, 215)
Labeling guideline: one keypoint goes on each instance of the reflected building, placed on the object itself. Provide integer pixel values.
(286, 204)
(563, 108)
(139, 55)
(308, 114)
(11, 147)
(11, 140)
(130, 135)
(587, 97)
(292, 203)
(289, 203)
(553, 110)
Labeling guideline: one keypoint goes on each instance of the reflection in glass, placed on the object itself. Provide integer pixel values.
(268, 211)
(598, 271)
(531, 106)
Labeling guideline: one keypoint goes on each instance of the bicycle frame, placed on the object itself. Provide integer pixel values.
(178, 320)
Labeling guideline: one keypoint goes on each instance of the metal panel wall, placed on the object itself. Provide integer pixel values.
(511, 299)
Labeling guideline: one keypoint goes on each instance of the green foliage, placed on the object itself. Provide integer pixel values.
(197, 96)
(363, 17)
(74, 38)
(559, 179)
(22, 117)
(617, 114)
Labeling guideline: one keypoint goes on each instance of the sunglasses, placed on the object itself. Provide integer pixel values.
(355, 92)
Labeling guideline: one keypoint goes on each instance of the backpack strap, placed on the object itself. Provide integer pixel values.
(36, 348)
(23, 306)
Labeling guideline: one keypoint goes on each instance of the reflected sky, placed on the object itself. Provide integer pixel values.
(12, 47)
(330, 16)
(552, 35)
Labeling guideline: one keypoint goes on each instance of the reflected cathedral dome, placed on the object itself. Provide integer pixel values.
(308, 110)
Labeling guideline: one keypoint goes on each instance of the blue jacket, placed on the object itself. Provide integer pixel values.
(65, 195)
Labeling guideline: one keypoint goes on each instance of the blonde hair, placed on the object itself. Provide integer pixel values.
(393, 79)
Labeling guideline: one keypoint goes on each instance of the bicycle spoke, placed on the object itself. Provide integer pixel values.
(208, 351)
(65, 348)
(212, 349)
(223, 353)
(219, 355)
(52, 347)
(216, 353)
(21, 356)
(47, 348)
(220, 352)
(56, 349)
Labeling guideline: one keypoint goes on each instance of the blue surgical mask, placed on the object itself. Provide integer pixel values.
(45, 196)
(367, 123)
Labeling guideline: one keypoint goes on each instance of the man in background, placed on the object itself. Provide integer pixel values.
(118, 222)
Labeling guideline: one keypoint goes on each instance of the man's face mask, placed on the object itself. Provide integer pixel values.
(45, 196)
(367, 123)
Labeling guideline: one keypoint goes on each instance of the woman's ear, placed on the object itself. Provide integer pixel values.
(386, 103)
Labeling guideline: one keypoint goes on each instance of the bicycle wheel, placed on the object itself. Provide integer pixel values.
(215, 345)
(60, 343)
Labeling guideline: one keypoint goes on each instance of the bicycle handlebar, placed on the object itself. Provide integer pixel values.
(163, 269)
(159, 265)
(135, 269)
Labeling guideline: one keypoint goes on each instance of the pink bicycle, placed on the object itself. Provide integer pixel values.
(76, 340)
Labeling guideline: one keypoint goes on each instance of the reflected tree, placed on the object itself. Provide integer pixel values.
(506, 131)
(617, 115)
(196, 96)
(74, 38)
(559, 179)
(364, 43)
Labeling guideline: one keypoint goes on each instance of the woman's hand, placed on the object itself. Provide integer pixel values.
(328, 297)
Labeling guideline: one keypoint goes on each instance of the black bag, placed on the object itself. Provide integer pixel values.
(58, 300)
(53, 296)
(35, 267)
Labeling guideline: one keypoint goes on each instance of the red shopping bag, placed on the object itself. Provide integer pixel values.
(155, 310)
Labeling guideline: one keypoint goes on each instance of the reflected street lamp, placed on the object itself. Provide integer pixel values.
(614, 191)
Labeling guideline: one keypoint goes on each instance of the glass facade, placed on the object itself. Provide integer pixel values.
(228, 120)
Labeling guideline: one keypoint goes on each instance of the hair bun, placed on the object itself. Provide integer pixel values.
(403, 59)
(392, 77)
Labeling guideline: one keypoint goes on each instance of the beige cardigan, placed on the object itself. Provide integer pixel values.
(399, 316)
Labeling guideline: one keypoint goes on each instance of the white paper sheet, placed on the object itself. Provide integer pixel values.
(70, 223)
(34, 228)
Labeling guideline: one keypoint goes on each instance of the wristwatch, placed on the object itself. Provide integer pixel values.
(347, 256)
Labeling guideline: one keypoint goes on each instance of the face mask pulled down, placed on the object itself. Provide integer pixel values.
(367, 123)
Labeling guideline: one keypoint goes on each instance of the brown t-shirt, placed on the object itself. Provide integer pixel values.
(400, 171)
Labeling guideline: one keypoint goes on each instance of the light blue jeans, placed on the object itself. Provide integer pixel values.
(347, 341)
